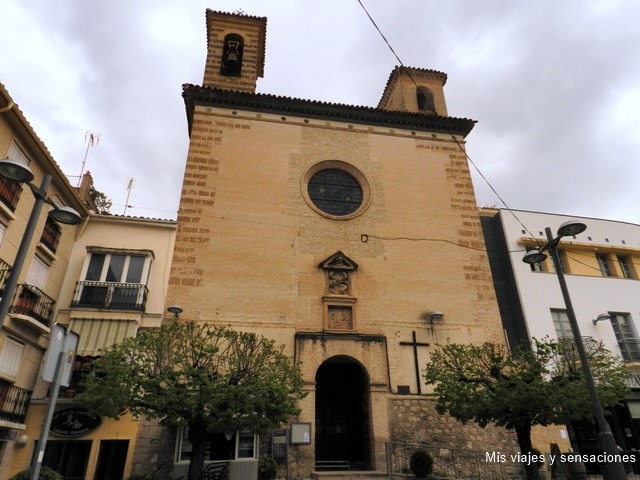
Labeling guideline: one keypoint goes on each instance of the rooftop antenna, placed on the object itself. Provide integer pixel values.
(129, 188)
(91, 140)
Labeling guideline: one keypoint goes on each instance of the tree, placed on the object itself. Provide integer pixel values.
(101, 201)
(209, 378)
(540, 386)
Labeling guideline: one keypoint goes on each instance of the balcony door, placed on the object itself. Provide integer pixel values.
(114, 280)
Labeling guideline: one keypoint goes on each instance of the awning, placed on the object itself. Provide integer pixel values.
(98, 334)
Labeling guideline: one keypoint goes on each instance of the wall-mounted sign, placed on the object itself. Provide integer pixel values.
(300, 433)
(65, 342)
(279, 444)
(73, 422)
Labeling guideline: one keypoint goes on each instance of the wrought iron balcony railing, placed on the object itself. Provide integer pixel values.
(10, 193)
(633, 380)
(110, 295)
(14, 402)
(32, 302)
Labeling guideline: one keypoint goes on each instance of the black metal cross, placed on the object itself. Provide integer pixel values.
(415, 344)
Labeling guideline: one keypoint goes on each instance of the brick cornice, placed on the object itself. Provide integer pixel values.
(195, 95)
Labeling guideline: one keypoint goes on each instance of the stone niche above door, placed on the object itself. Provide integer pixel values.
(338, 300)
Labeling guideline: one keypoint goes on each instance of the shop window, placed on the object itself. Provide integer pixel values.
(220, 446)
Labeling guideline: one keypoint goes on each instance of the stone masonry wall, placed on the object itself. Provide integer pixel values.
(413, 421)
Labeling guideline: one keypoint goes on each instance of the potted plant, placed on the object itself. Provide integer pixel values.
(267, 468)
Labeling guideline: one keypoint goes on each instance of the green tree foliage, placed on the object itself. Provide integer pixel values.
(542, 386)
(46, 473)
(209, 378)
(101, 201)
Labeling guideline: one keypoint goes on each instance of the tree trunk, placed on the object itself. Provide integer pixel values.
(198, 438)
(524, 441)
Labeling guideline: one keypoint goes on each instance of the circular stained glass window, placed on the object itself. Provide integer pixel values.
(335, 192)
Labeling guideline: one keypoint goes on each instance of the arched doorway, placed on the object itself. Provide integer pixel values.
(342, 430)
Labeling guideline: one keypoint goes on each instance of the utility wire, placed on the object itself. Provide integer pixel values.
(432, 106)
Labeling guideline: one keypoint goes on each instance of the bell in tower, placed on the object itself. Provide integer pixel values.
(232, 55)
(235, 51)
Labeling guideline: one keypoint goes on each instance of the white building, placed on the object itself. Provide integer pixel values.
(601, 267)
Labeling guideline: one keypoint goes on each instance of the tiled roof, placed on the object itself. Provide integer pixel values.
(198, 95)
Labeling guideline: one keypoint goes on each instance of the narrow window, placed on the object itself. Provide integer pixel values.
(562, 255)
(604, 264)
(10, 357)
(38, 273)
(425, 100)
(561, 324)
(626, 336)
(94, 271)
(625, 266)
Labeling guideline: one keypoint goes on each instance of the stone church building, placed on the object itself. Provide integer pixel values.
(350, 235)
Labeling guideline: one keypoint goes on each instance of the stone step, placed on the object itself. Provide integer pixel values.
(348, 475)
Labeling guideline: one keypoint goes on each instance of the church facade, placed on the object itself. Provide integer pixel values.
(348, 234)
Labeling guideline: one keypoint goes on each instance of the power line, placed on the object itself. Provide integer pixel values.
(432, 106)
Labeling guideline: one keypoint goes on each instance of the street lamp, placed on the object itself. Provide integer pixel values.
(612, 470)
(15, 171)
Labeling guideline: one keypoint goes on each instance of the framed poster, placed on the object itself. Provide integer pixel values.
(300, 433)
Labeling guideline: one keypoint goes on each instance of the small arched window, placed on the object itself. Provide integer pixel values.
(425, 100)
(232, 55)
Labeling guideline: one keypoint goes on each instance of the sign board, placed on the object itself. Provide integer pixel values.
(300, 433)
(64, 341)
(279, 444)
(73, 422)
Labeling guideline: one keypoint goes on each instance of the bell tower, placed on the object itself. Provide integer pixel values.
(416, 90)
(235, 51)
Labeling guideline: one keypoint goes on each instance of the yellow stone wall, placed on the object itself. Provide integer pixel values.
(253, 32)
(248, 244)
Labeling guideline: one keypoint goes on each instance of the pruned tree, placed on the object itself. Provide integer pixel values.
(540, 386)
(208, 378)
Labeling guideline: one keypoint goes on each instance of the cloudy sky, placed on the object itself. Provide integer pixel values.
(554, 86)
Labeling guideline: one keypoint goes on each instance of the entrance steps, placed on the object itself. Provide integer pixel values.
(349, 475)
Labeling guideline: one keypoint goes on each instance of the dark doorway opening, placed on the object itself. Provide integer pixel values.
(111, 459)
(342, 416)
(70, 458)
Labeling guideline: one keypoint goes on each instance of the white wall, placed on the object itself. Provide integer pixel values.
(540, 291)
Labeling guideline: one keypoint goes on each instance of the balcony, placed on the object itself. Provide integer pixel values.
(110, 295)
(633, 380)
(10, 193)
(14, 402)
(32, 303)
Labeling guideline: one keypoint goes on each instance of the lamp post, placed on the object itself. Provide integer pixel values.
(606, 440)
(18, 172)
